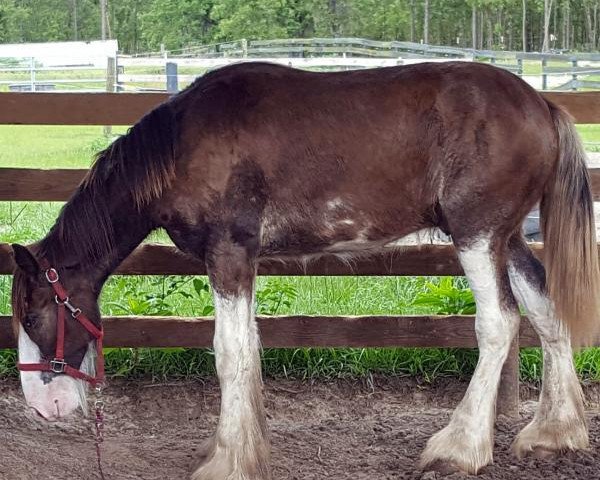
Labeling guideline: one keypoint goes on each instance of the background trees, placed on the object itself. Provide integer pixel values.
(142, 25)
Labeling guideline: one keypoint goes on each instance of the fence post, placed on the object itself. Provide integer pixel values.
(171, 72)
(244, 47)
(508, 392)
(32, 73)
(544, 75)
(520, 67)
(574, 74)
(111, 83)
(111, 74)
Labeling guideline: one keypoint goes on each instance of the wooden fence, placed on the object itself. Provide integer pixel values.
(21, 184)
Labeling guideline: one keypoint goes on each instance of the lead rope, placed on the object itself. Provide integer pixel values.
(99, 424)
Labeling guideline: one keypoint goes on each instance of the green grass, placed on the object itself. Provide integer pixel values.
(73, 147)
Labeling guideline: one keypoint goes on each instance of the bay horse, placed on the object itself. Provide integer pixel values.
(258, 161)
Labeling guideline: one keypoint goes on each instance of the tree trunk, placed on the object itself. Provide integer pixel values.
(75, 27)
(474, 27)
(412, 20)
(426, 23)
(524, 25)
(595, 29)
(481, 24)
(588, 23)
(568, 29)
(103, 19)
(547, 15)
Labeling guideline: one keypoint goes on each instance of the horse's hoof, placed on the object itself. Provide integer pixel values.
(444, 468)
(550, 439)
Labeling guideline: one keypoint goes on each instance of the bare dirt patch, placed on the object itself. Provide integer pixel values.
(339, 430)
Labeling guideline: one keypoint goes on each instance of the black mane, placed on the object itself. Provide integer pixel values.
(134, 170)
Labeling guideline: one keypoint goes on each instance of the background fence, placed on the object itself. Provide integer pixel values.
(173, 70)
(20, 184)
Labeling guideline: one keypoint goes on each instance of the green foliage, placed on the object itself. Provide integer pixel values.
(175, 23)
(143, 25)
(446, 296)
(158, 296)
(275, 295)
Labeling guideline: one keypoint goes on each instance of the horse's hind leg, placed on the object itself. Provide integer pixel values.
(559, 423)
(239, 450)
(466, 443)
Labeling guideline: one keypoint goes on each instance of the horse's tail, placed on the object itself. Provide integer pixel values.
(570, 251)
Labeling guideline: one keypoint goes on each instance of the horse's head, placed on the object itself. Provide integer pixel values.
(52, 392)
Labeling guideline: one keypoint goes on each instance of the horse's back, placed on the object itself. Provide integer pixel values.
(359, 158)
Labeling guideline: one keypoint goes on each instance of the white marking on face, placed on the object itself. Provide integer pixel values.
(55, 399)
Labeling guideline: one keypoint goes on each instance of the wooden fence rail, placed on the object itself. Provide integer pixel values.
(128, 108)
(297, 331)
(17, 184)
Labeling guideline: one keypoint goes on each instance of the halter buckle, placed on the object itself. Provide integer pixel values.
(51, 275)
(60, 302)
(58, 365)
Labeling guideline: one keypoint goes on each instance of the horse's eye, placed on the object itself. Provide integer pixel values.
(30, 320)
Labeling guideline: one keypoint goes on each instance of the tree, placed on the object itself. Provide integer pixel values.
(547, 13)
(524, 25)
(426, 22)
(176, 23)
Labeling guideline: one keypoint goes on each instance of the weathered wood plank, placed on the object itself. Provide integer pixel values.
(296, 331)
(583, 106)
(127, 108)
(152, 259)
(76, 108)
(34, 184)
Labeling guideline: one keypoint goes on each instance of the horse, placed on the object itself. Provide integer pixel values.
(258, 161)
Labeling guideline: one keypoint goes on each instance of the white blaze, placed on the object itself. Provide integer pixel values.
(54, 399)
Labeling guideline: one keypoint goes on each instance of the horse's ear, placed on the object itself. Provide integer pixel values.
(25, 260)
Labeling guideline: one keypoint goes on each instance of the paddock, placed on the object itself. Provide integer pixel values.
(370, 429)
(293, 331)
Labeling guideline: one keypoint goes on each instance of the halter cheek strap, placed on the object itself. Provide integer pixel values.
(58, 364)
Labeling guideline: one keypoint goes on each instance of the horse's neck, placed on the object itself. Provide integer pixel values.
(128, 227)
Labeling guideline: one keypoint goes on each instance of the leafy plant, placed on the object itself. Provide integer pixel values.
(158, 299)
(274, 295)
(448, 296)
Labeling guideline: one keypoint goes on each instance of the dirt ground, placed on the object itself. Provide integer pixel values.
(340, 430)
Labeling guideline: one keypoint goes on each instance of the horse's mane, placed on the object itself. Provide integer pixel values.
(137, 167)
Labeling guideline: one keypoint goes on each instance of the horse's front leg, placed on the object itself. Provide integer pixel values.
(466, 443)
(239, 450)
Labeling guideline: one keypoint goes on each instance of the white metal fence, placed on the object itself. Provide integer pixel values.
(173, 70)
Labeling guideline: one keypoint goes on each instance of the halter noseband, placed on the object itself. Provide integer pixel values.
(58, 364)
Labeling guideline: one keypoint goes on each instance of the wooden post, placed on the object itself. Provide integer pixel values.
(171, 73)
(111, 82)
(508, 392)
(544, 75)
(244, 47)
(32, 74)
